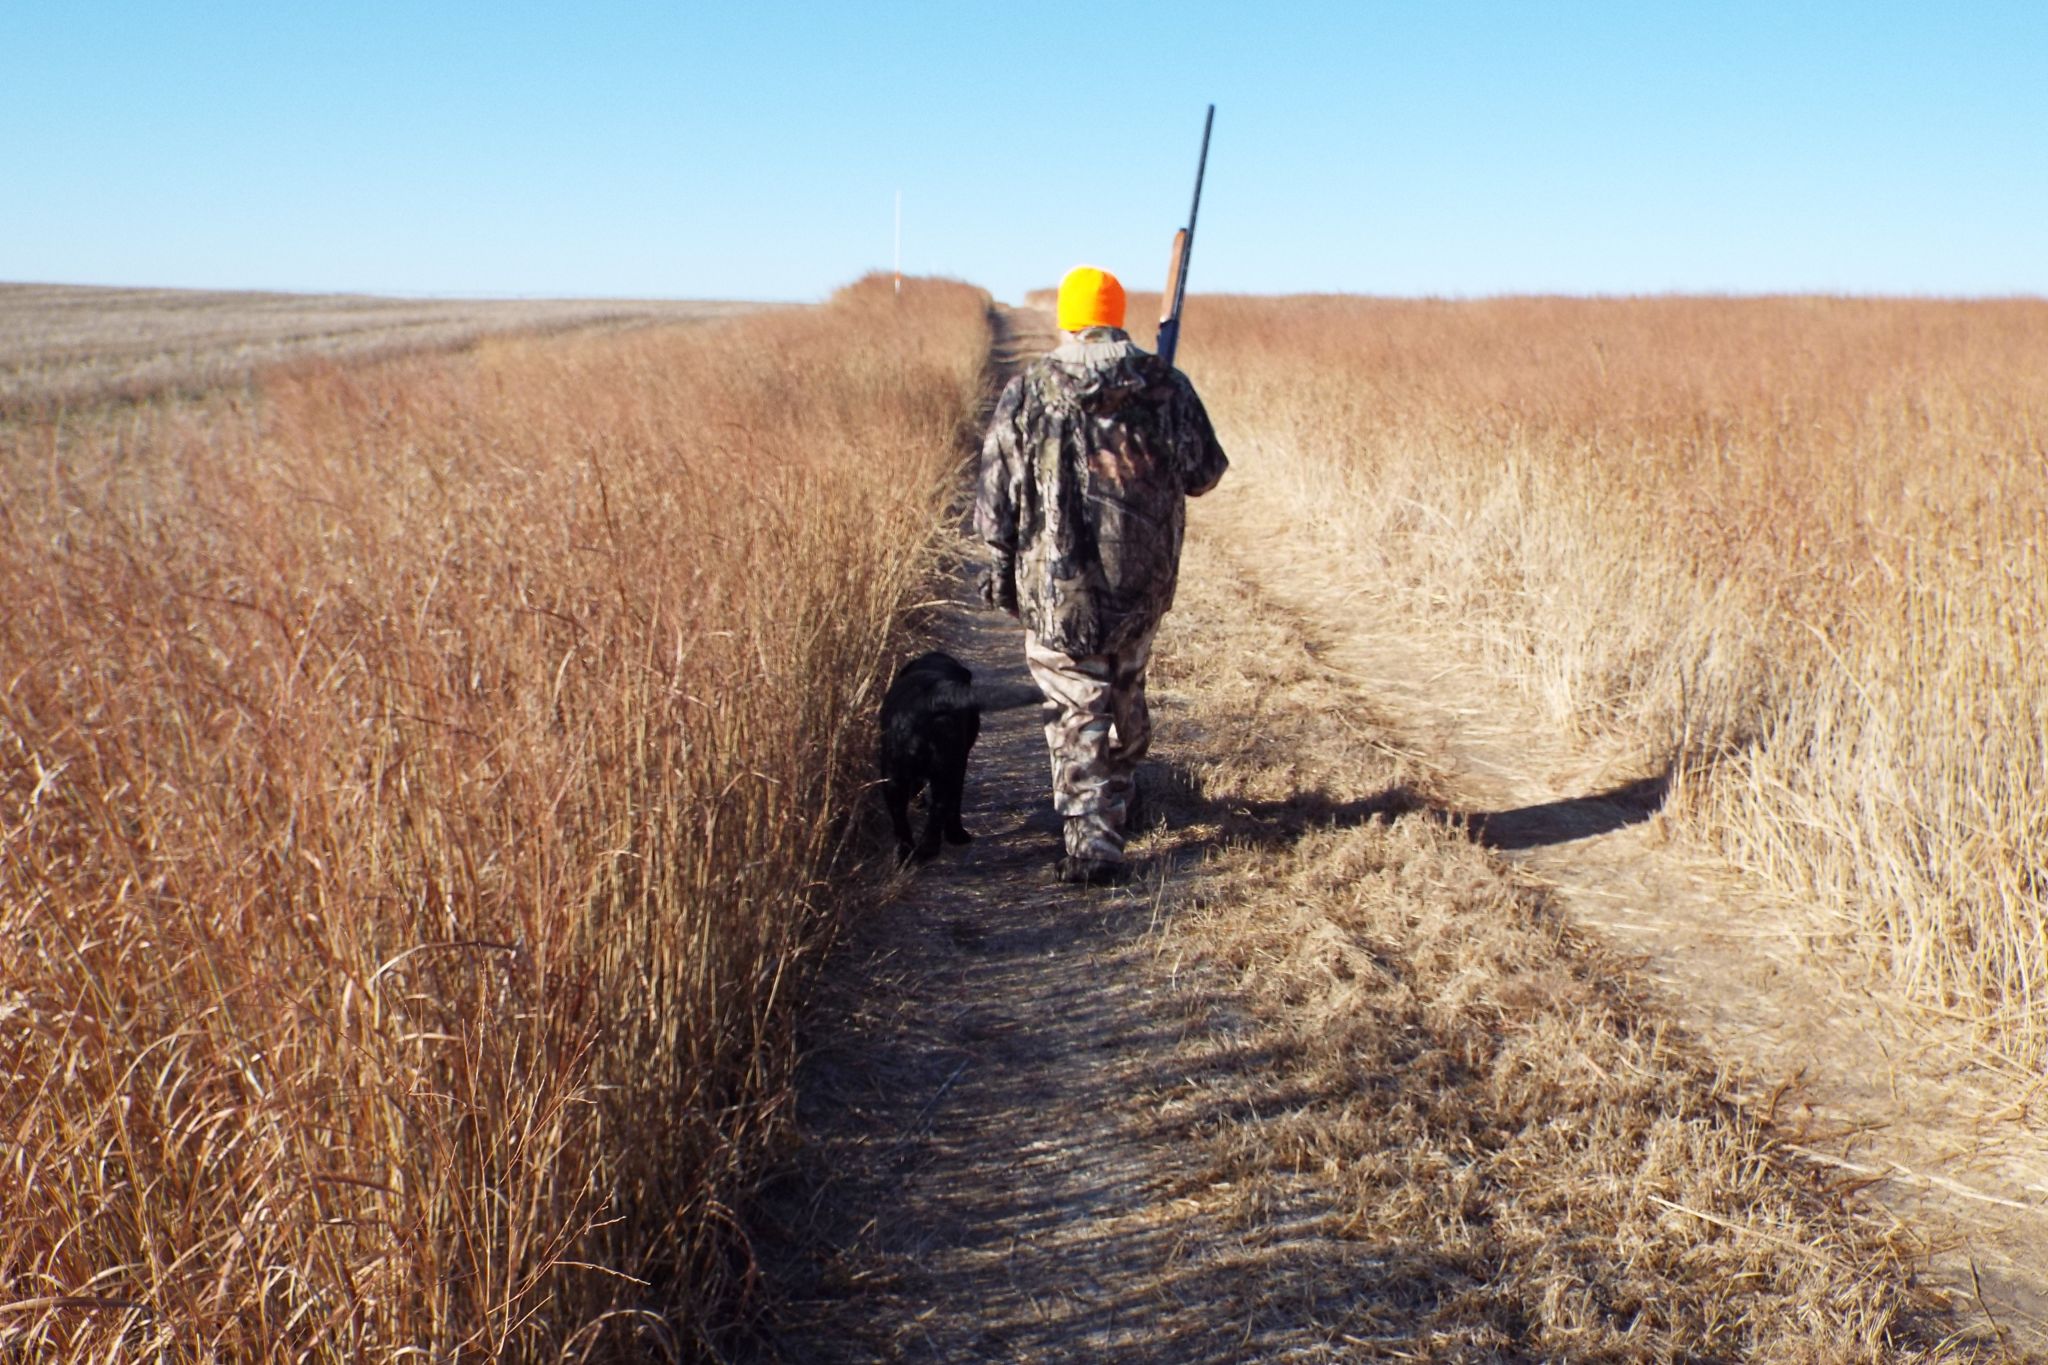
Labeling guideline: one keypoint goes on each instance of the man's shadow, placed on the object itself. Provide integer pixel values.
(1175, 799)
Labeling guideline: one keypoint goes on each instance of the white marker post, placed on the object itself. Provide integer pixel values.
(899, 243)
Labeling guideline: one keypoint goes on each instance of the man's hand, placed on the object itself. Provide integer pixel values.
(999, 586)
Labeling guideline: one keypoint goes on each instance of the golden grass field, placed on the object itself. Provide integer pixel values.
(427, 782)
(1792, 546)
(417, 784)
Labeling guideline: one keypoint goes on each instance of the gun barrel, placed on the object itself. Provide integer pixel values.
(1201, 166)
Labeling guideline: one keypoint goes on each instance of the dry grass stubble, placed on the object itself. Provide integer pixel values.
(1397, 1040)
(67, 346)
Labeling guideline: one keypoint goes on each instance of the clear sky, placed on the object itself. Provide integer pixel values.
(753, 149)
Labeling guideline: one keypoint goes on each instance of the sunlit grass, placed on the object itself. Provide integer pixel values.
(1793, 544)
(415, 787)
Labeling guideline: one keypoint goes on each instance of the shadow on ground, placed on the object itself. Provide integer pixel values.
(1175, 797)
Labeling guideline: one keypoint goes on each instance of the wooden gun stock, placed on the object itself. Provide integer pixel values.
(1169, 302)
(1175, 266)
(1183, 247)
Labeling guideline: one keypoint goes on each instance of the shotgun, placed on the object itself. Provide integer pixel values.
(1177, 265)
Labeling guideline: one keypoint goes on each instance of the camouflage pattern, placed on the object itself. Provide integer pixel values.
(1088, 461)
(1097, 736)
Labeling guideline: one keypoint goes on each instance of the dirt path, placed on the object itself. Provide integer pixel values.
(1856, 1077)
(1327, 1083)
(1000, 1187)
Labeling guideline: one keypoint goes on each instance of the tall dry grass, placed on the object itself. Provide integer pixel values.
(1797, 541)
(415, 789)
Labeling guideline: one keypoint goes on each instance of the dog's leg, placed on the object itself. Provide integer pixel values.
(947, 790)
(896, 794)
(956, 782)
(928, 846)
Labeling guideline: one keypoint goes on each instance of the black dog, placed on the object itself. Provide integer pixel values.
(930, 720)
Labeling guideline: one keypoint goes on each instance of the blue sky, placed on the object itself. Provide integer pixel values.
(691, 150)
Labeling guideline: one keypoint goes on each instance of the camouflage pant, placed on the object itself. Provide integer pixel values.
(1101, 731)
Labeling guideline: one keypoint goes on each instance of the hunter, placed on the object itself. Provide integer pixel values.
(1088, 462)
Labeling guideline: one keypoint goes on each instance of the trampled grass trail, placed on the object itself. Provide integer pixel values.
(1332, 1081)
(1908, 1109)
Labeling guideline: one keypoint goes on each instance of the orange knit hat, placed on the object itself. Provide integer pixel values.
(1090, 298)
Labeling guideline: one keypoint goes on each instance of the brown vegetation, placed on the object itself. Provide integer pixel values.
(1446, 1077)
(1793, 545)
(415, 783)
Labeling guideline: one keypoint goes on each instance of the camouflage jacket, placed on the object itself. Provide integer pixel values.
(1083, 478)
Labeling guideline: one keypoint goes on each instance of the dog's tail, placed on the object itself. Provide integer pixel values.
(1005, 696)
